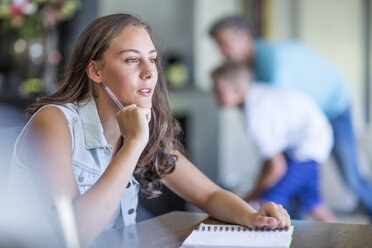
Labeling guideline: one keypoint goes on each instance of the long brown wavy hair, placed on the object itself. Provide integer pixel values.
(156, 159)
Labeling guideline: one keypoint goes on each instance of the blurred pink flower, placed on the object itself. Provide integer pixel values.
(30, 16)
(16, 9)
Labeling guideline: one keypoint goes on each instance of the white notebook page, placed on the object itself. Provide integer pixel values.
(237, 236)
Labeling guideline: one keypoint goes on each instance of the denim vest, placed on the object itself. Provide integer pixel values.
(90, 157)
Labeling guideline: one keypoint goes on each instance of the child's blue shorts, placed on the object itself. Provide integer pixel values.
(301, 180)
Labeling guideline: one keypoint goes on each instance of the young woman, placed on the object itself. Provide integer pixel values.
(80, 145)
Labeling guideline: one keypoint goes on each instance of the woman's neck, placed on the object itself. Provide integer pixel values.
(107, 115)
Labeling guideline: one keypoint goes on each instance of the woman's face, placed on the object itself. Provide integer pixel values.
(129, 68)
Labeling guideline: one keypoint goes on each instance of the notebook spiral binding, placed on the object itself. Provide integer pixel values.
(217, 228)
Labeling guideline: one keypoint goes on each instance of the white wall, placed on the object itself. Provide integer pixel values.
(278, 20)
(206, 54)
(340, 39)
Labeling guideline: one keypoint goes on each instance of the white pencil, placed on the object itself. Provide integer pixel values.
(112, 95)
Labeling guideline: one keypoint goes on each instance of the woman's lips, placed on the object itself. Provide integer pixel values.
(145, 91)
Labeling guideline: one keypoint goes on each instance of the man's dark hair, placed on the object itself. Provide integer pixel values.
(236, 22)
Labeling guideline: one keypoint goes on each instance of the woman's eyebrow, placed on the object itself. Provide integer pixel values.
(134, 51)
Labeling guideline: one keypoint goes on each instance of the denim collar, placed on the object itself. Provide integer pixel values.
(92, 126)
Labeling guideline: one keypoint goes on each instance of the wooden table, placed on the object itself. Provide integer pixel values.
(171, 229)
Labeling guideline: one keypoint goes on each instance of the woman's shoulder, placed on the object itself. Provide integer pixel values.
(49, 117)
(47, 126)
(53, 118)
(67, 111)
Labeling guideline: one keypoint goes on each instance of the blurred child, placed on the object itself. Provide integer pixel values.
(291, 133)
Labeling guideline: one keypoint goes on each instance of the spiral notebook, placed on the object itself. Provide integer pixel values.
(231, 236)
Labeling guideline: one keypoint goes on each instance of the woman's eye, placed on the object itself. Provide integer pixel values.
(153, 60)
(131, 60)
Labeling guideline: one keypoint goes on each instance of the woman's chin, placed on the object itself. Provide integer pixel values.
(144, 105)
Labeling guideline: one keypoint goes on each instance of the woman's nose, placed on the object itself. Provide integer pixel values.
(148, 72)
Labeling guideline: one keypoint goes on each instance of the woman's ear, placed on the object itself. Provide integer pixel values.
(93, 72)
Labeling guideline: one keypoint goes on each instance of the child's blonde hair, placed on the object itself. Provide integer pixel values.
(236, 74)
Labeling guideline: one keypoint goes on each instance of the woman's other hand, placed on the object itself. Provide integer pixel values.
(271, 215)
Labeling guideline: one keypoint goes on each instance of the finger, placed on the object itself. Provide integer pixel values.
(288, 219)
(124, 111)
(267, 221)
(271, 209)
(283, 219)
(146, 113)
(127, 108)
(276, 210)
(132, 106)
